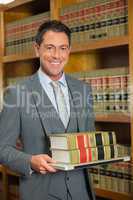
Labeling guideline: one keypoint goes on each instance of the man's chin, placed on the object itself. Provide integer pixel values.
(56, 75)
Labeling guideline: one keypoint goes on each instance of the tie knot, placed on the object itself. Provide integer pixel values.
(55, 84)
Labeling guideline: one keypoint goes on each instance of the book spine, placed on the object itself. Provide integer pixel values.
(93, 154)
(77, 141)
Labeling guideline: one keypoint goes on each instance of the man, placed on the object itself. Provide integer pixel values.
(31, 112)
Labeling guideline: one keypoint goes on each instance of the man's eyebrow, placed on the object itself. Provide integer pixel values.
(48, 44)
(65, 45)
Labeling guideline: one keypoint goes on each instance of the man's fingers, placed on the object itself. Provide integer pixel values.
(41, 163)
(48, 167)
(49, 159)
(43, 172)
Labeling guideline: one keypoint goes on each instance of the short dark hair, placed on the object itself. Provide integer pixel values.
(52, 25)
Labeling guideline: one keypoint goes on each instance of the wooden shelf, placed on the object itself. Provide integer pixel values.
(113, 195)
(117, 117)
(14, 58)
(105, 43)
(16, 3)
(2, 8)
(7, 171)
(13, 4)
(10, 172)
(1, 168)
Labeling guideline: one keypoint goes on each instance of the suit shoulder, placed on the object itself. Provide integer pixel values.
(21, 84)
(77, 82)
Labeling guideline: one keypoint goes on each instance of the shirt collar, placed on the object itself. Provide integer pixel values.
(46, 79)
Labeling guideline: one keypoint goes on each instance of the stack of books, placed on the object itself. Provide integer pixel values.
(76, 148)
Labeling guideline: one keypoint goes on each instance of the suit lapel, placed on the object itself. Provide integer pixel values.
(75, 97)
(48, 114)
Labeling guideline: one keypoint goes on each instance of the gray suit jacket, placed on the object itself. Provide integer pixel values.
(27, 115)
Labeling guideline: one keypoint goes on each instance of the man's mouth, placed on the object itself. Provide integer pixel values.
(55, 63)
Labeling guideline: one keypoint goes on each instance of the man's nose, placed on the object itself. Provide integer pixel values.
(56, 53)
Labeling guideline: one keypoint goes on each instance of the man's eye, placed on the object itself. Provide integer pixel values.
(49, 48)
(64, 48)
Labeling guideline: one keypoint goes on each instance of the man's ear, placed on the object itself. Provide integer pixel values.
(36, 49)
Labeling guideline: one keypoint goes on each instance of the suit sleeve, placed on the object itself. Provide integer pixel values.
(90, 120)
(9, 132)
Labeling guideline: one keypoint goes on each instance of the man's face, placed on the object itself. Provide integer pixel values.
(54, 53)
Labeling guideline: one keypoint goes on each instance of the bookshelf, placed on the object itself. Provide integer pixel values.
(88, 54)
(113, 195)
(14, 58)
(105, 43)
(113, 118)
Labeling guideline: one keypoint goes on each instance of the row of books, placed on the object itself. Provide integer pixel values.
(110, 89)
(19, 34)
(76, 148)
(116, 177)
(94, 20)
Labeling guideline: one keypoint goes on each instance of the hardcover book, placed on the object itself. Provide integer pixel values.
(82, 140)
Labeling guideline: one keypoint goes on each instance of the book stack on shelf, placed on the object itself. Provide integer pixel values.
(116, 177)
(85, 147)
(19, 34)
(110, 89)
(95, 20)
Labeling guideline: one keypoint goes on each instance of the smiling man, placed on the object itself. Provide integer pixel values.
(47, 102)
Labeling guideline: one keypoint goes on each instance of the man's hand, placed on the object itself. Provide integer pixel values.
(41, 163)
